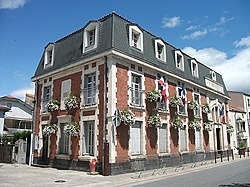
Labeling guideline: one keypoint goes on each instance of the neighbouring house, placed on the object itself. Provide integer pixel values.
(115, 92)
(3, 109)
(240, 109)
(18, 117)
(29, 99)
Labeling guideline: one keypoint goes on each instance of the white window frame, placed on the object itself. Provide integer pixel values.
(49, 56)
(160, 105)
(134, 30)
(89, 91)
(86, 37)
(198, 143)
(163, 140)
(88, 143)
(197, 112)
(65, 92)
(213, 75)
(178, 93)
(185, 144)
(195, 71)
(161, 56)
(68, 138)
(46, 97)
(136, 89)
(179, 64)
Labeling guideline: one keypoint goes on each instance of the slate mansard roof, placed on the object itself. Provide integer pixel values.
(114, 35)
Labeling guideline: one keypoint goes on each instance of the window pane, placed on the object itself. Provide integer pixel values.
(136, 138)
(89, 137)
(163, 139)
(63, 141)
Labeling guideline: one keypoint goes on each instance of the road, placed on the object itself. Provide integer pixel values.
(235, 174)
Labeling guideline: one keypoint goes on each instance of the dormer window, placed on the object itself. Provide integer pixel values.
(179, 60)
(49, 56)
(194, 68)
(135, 37)
(213, 75)
(160, 50)
(90, 37)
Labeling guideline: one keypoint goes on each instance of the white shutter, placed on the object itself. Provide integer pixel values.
(183, 139)
(65, 92)
(197, 140)
(136, 138)
(163, 139)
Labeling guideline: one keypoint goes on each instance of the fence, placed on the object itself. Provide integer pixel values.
(6, 151)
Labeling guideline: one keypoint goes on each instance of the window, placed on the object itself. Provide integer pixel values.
(136, 138)
(163, 88)
(215, 114)
(65, 92)
(46, 97)
(181, 93)
(194, 68)
(49, 55)
(241, 126)
(89, 89)
(88, 138)
(183, 139)
(160, 50)
(197, 111)
(197, 139)
(163, 139)
(63, 141)
(179, 59)
(9, 105)
(213, 75)
(248, 102)
(136, 92)
(90, 37)
(135, 38)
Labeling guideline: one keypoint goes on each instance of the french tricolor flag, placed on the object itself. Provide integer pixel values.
(222, 114)
(164, 89)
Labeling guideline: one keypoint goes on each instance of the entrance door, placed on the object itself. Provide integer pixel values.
(218, 138)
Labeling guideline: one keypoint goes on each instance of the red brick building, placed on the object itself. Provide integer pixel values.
(178, 106)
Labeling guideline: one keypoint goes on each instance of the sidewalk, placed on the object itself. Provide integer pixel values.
(24, 175)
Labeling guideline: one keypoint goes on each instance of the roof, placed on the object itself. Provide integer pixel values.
(14, 99)
(113, 34)
(4, 108)
(236, 109)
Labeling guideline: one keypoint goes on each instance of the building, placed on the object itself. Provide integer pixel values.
(3, 109)
(111, 64)
(240, 117)
(18, 117)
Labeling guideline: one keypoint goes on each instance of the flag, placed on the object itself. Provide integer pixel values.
(164, 89)
(161, 81)
(222, 114)
(183, 95)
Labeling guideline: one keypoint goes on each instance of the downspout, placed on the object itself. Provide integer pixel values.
(104, 112)
(32, 138)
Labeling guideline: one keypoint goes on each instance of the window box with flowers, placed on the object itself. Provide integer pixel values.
(154, 120)
(192, 105)
(50, 129)
(127, 117)
(177, 122)
(53, 105)
(230, 128)
(176, 101)
(208, 126)
(153, 96)
(240, 135)
(239, 120)
(71, 103)
(194, 124)
(71, 129)
(205, 108)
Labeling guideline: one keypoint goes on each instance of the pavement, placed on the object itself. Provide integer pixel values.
(24, 175)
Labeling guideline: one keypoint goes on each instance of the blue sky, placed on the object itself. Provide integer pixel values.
(217, 33)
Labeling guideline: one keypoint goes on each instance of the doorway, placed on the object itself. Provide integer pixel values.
(218, 138)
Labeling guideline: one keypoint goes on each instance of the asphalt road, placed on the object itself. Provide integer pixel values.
(235, 174)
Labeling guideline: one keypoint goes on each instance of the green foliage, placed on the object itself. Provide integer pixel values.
(21, 135)
(241, 144)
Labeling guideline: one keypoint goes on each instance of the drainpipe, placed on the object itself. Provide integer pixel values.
(32, 138)
(104, 114)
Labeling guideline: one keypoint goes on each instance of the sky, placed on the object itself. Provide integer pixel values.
(216, 33)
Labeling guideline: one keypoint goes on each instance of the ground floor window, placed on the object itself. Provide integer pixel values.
(136, 138)
(88, 137)
(197, 139)
(183, 138)
(163, 140)
(63, 141)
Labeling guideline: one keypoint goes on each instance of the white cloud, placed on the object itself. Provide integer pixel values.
(11, 4)
(224, 20)
(20, 93)
(192, 27)
(235, 70)
(171, 22)
(243, 42)
(195, 35)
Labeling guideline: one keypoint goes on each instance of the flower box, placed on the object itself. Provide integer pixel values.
(207, 126)
(50, 129)
(71, 103)
(127, 117)
(177, 122)
(52, 105)
(71, 129)
(194, 125)
(205, 108)
(230, 128)
(154, 120)
(192, 105)
(176, 101)
(153, 96)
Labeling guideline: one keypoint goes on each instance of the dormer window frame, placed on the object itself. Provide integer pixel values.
(179, 60)
(49, 56)
(160, 54)
(194, 68)
(90, 37)
(213, 75)
(135, 37)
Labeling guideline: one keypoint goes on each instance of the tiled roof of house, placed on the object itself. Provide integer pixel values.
(4, 108)
(113, 34)
(236, 109)
(14, 99)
